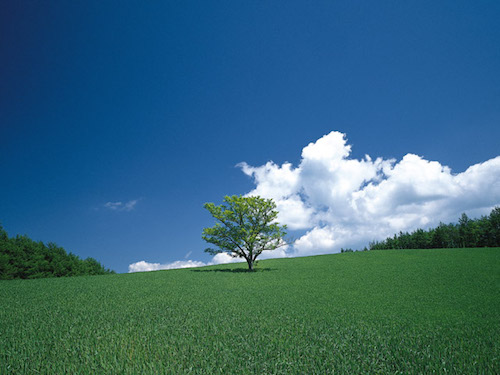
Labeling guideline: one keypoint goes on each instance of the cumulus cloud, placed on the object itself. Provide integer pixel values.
(346, 202)
(121, 206)
(337, 201)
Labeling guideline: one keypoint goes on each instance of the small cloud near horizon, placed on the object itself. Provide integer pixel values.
(144, 266)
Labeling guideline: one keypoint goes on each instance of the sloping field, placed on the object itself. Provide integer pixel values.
(407, 311)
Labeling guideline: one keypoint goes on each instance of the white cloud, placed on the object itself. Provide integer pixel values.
(345, 202)
(293, 211)
(280, 184)
(121, 206)
(221, 258)
(315, 241)
(144, 266)
(273, 181)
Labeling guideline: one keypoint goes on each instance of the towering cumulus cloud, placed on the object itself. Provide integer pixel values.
(337, 201)
(345, 202)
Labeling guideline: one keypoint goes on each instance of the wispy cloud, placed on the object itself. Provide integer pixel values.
(121, 206)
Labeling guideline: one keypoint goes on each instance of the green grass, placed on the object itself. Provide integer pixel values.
(399, 312)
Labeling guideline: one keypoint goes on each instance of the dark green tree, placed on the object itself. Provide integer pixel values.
(468, 231)
(23, 258)
(481, 232)
(421, 239)
(494, 229)
(246, 226)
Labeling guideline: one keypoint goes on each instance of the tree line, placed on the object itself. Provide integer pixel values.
(481, 232)
(23, 258)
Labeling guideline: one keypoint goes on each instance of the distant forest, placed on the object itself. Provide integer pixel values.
(482, 232)
(23, 258)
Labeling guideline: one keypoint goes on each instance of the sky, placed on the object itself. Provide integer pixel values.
(119, 120)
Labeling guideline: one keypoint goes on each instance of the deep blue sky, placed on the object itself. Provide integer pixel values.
(158, 101)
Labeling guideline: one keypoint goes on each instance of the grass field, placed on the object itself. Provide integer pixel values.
(406, 311)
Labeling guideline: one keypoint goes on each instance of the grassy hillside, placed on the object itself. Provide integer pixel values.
(407, 311)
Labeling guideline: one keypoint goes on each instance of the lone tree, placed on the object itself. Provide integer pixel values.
(246, 227)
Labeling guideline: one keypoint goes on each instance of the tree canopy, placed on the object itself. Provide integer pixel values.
(246, 226)
(23, 258)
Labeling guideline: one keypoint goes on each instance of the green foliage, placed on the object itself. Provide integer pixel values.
(391, 312)
(482, 232)
(246, 227)
(23, 258)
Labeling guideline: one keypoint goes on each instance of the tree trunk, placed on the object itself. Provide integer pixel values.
(250, 265)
